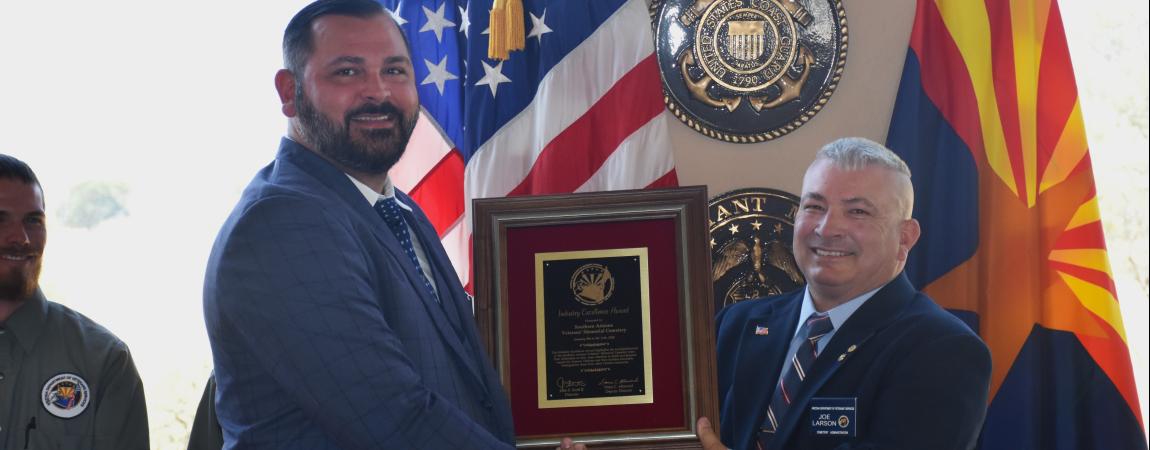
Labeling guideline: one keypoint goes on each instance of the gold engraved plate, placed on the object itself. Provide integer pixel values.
(751, 255)
(593, 328)
(749, 70)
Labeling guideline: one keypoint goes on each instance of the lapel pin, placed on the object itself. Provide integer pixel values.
(851, 349)
(761, 330)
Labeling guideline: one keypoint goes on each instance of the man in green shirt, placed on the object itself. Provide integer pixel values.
(65, 381)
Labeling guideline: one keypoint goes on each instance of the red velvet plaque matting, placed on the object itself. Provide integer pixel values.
(667, 347)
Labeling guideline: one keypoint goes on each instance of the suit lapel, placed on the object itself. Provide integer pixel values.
(455, 303)
(335, 180)
(879, 311)
(757, 374)
(445, 311)
(436, 259)
(346, 192)
(443, 323)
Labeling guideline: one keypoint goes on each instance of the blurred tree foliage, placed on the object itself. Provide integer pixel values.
(92, 202)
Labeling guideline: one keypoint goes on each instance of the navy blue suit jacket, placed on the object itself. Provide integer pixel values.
(322, 334)
(920, 375)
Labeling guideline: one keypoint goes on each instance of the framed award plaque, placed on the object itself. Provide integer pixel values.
(596, 309)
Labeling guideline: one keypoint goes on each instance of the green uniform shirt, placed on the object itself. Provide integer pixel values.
(67, 383)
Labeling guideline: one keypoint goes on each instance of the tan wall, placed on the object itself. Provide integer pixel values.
(877, 32)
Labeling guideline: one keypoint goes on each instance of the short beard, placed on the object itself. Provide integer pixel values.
(372, 153)
(18, 285)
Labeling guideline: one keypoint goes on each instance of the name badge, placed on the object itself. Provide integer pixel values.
(834, 416)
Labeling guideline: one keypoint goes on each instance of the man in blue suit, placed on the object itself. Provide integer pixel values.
(335, 317)
(859, 358)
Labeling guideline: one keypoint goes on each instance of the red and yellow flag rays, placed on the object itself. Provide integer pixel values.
(1041, 258)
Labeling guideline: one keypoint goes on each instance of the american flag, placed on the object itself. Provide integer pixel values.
(577, 110)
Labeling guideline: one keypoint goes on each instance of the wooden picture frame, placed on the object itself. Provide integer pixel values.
(637, 386)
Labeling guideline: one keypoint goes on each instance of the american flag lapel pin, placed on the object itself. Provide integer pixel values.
(761, 330)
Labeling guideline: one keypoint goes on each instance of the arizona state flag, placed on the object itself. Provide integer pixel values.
(989, 121)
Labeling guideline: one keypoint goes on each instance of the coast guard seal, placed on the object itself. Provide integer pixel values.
(749, 70)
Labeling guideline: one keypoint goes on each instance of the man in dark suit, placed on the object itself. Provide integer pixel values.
(335, 317)
(859, 358)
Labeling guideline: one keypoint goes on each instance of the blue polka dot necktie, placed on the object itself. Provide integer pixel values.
(818, 325)
(388, 209)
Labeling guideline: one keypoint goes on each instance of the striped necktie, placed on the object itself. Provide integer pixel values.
(817, 326)
(388, 209)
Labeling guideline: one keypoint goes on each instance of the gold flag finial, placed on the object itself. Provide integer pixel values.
(506, 29)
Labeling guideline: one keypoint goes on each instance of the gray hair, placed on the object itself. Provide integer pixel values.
(855, 153)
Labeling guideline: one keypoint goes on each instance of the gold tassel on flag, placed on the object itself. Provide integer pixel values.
(506, 29)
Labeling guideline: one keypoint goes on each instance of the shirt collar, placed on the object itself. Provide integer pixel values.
(27, 322)
(839, 314)
(372, 197)
(369, 194)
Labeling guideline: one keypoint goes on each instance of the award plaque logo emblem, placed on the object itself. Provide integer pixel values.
(751, 255)
(749, 70)
(592, 284)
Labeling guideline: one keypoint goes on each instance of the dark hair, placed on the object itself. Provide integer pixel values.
(297, 44)
(15, 169)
